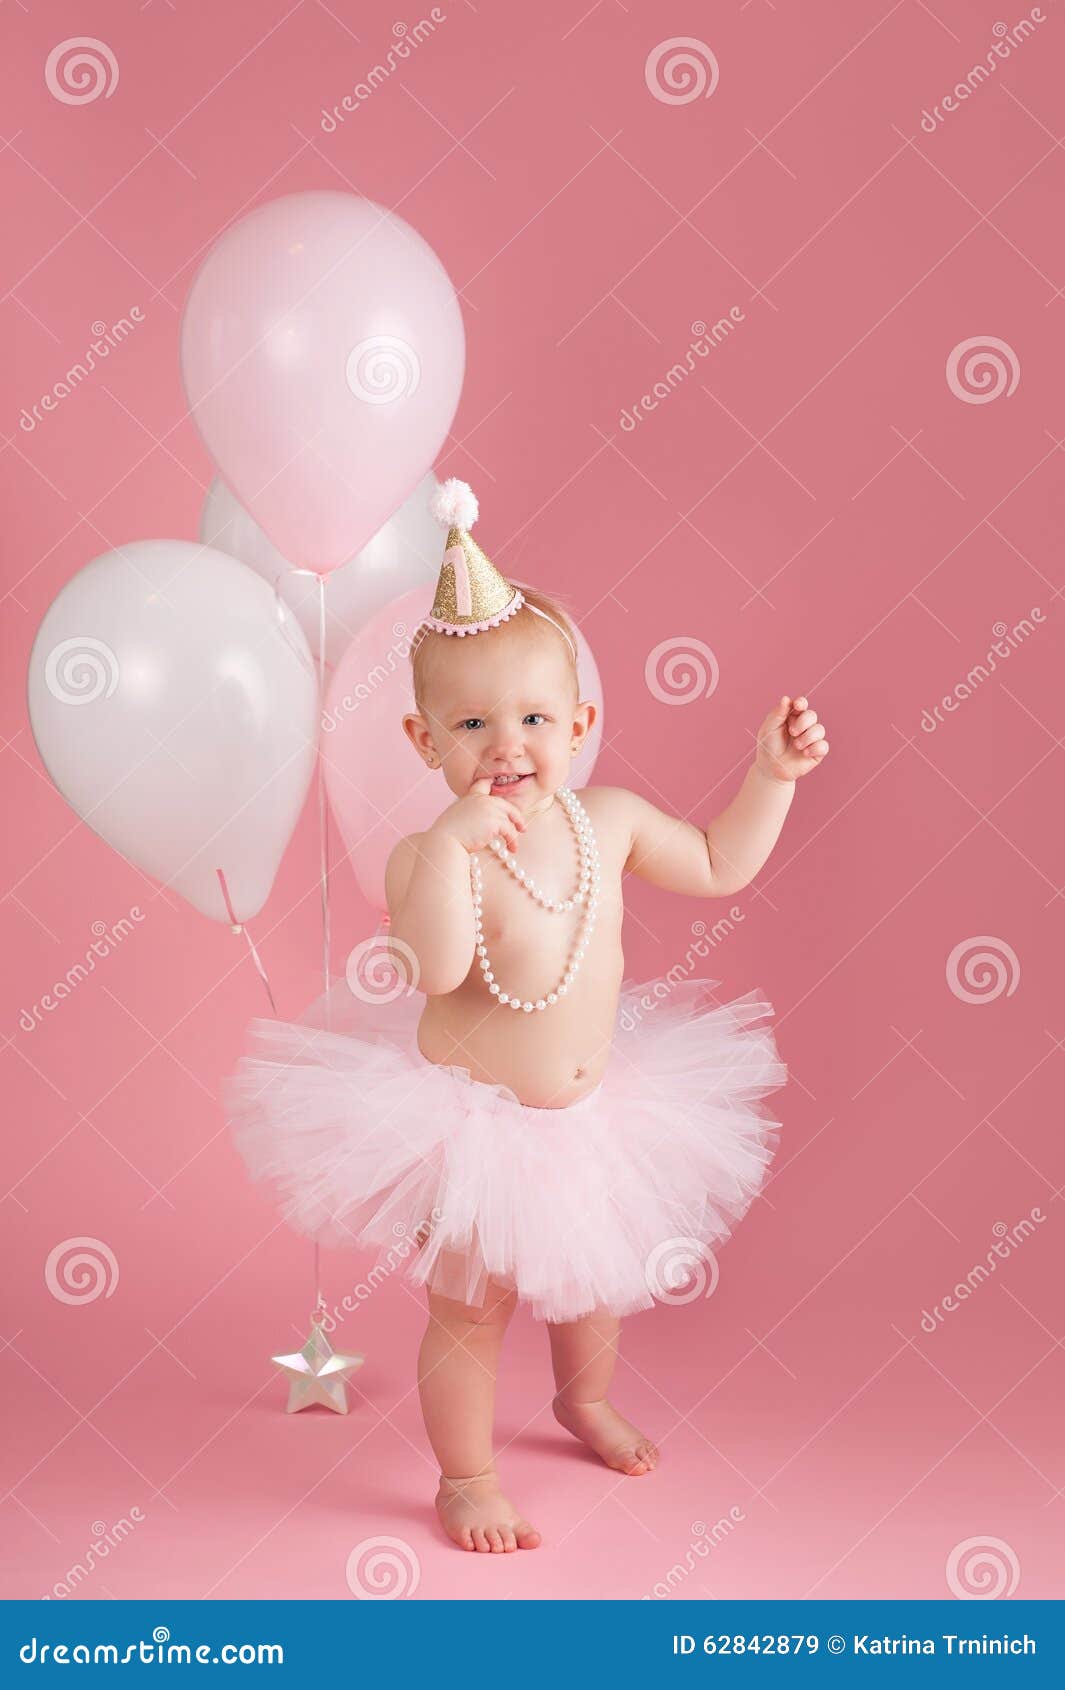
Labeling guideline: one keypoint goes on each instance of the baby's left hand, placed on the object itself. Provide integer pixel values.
(791, 741)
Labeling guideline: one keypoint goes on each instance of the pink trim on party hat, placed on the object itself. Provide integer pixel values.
(440, 627)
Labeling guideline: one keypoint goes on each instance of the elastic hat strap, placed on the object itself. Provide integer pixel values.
(554, 624)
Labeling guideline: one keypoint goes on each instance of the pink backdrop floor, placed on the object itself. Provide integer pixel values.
(818, 504)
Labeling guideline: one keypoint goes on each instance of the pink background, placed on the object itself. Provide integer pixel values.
(816, 505)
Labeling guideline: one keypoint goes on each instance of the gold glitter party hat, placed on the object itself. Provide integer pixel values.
(471, 594)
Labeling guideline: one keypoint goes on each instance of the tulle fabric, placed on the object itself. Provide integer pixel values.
(365, 1142)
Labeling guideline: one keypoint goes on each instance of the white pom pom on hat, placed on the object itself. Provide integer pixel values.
(454, 504)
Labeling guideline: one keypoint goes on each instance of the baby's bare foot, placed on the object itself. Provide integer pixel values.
(476, 1514)
(613, 1438)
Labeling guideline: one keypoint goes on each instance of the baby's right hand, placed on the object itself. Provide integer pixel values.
(479, 818)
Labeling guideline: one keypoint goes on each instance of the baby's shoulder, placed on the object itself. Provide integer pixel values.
(400, 867)
(610, 808)
(616, 796)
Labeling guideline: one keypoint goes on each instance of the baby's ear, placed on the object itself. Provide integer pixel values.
(416, 730)
(588, 713)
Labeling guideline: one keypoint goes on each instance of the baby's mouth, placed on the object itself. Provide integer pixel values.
(507, 783)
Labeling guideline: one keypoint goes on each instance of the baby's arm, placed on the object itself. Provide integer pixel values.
(724, 857)
(719, 861)
(427, 885)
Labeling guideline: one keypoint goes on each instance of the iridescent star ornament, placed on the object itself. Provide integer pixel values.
(317, 1373)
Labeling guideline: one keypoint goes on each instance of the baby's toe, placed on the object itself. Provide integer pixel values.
(509, 1540)
(457, 1531)
(495, 1540)
(527, 1536)
(648, 1452)
(480, 1540)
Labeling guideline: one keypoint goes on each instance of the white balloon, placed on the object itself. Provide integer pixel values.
(175, 706)
(406, 552)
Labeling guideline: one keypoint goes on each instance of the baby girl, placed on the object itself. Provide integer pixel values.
(546, 1133)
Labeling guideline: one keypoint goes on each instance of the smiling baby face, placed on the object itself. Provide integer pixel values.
(502, 703)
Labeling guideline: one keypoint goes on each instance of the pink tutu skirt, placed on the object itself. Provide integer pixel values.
(613, 1202)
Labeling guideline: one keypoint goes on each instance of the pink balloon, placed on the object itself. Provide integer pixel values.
(322, 353)
(378, 787)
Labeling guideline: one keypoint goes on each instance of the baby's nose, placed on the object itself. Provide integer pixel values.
(507, 745)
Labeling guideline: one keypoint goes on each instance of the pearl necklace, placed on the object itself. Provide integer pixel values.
(587, 893)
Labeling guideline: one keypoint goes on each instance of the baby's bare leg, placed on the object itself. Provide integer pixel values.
(583, 1354)
(456, 1382)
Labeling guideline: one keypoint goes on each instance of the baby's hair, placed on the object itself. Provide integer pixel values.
(429, 649)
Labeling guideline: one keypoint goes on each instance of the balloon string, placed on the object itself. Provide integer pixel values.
(323, 832)
(323, 813)
(319, 1300)
(285, 619)
(239, 927)
(323, 854)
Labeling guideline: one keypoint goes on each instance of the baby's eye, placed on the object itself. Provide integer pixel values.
(472, 723)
